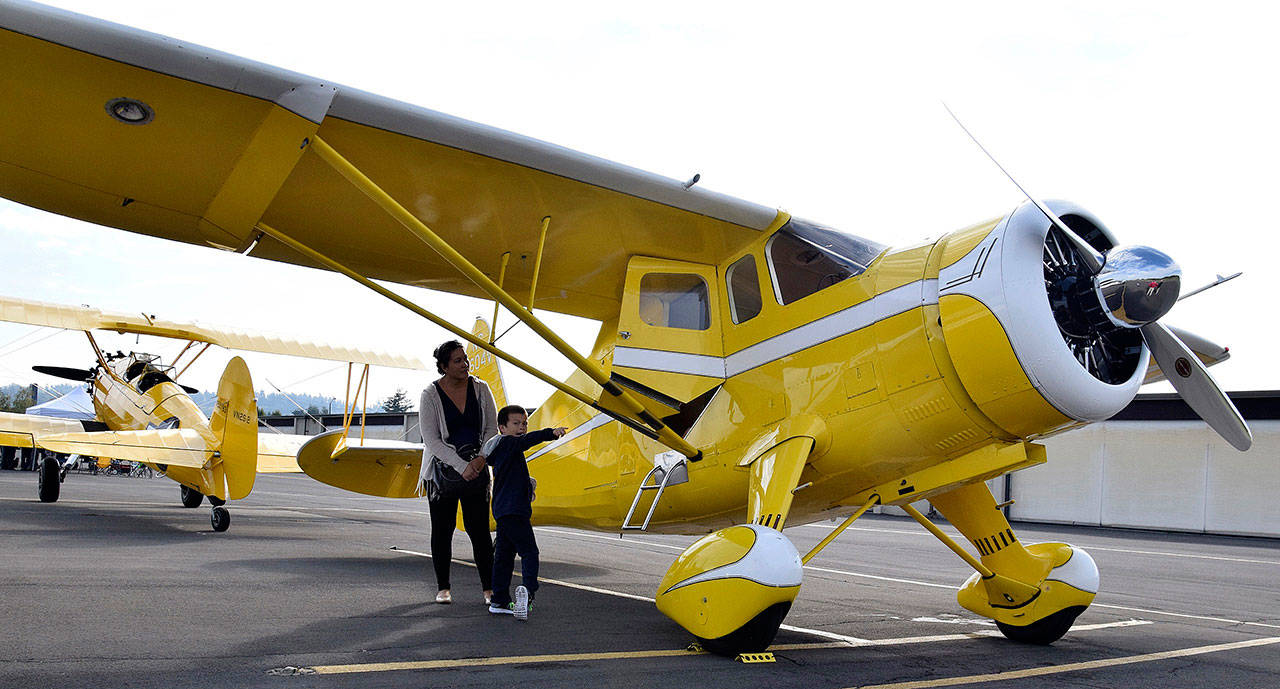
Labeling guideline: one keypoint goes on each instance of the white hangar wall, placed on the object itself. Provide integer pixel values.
(1168, 475)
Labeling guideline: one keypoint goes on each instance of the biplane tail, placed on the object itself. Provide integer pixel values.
(234, 425)
(485, 365)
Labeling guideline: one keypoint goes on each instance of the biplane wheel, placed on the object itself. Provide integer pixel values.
(48, 480)
(1042, 632)
(752, 637)
(191, 497)
(216, 501)
(220, 518)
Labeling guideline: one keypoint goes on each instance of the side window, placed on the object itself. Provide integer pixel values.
(744, 289)
(675, 300)
(805, 258)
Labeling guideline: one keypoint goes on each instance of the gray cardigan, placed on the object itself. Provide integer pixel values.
(435, 433)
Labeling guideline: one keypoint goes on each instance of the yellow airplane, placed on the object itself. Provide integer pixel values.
(144, 415)
(752, 371)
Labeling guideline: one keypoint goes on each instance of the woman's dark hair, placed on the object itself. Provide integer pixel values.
(445, 352)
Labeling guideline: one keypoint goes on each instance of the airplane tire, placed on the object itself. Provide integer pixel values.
(191, 497)
(215, 500)
(220, 518)
(48, 480)
(1045, 631)
(752, 637)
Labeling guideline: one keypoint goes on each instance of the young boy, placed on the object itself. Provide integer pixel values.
(512, 495)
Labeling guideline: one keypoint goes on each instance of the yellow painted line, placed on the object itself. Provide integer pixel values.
(506, 660)
(631, 655)
(1073, 667)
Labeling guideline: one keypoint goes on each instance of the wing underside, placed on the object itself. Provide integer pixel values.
(235, 133)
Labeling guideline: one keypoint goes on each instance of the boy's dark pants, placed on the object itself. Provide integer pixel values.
(515, 535)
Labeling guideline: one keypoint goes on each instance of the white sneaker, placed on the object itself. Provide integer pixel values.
(507, 609)
(522, 603)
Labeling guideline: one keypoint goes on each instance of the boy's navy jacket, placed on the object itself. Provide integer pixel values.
(512, 493)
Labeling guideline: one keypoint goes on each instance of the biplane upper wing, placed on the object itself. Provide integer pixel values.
(86, 318)
(101, 119)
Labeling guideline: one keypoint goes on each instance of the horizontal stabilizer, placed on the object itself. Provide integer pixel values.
(384, 468)
(278, 453)
(21, 430)
(84, 318)
(184, 447)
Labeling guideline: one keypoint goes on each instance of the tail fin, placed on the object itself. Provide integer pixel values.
(235, 428)
(485, 365)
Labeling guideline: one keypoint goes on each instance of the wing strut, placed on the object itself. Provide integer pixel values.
(461, 334)
(384, 200)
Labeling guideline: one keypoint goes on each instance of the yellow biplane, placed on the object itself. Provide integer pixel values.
(143, 414)
(752, 371)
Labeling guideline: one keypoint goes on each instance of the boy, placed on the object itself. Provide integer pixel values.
(512, 495)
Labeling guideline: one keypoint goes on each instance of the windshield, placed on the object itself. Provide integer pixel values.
(805, 258)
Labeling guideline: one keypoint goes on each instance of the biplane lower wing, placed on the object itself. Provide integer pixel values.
(184, 447)
(383, 468)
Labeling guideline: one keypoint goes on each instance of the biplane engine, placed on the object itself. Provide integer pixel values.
(1028, 331)
(732, 588)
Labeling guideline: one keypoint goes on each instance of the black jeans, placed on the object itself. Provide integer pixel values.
(475, 519)
(515, 535)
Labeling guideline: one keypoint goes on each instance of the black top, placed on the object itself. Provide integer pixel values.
(463, 426)
(512, 494)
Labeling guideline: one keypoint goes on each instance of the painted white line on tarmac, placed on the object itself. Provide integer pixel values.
(632, 596)
(1086, 546)
(1073, 667)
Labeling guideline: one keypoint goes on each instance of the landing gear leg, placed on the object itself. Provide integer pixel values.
(220, 518)
(1033, 592)
(49, 481)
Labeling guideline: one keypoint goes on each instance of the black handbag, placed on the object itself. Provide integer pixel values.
(448, 483)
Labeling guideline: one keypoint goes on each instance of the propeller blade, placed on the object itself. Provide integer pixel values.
(79, 375)
(189, 390)
(1197, 388)
(1093, 259)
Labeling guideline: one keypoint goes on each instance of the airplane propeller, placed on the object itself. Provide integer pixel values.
(79, 375)
(1137, 285)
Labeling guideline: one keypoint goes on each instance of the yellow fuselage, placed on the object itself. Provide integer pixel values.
(882, 401)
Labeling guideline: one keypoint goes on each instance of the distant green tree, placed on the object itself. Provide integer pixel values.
(18, 403)
(314, 410)
(398, 402)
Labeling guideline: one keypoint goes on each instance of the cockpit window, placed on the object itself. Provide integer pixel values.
(135, 369)
(675, 300)
(805, 258)
(151, 378)
(744, 289)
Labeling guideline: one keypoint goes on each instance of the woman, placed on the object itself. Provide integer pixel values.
(457, 412)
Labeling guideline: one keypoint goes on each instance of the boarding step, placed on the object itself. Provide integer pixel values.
(669, 469)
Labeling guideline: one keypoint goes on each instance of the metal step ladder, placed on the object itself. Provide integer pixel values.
(662, 474)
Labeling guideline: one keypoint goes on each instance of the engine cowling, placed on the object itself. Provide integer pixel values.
(732, 588)
(1028, 332)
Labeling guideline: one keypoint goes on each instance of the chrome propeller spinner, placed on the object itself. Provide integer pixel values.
(1136, 286)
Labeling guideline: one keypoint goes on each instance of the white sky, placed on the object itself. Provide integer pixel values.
(1161, 118)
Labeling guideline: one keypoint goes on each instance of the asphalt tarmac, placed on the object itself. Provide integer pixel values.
(117, 585)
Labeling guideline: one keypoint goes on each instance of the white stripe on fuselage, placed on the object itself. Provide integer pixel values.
(892, 303)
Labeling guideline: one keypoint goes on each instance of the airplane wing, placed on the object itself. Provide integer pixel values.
(278, 452)
(183, 447)
(1208, 353)
(383, 468)
(70, 317)
(101, 119)
(25, 430)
